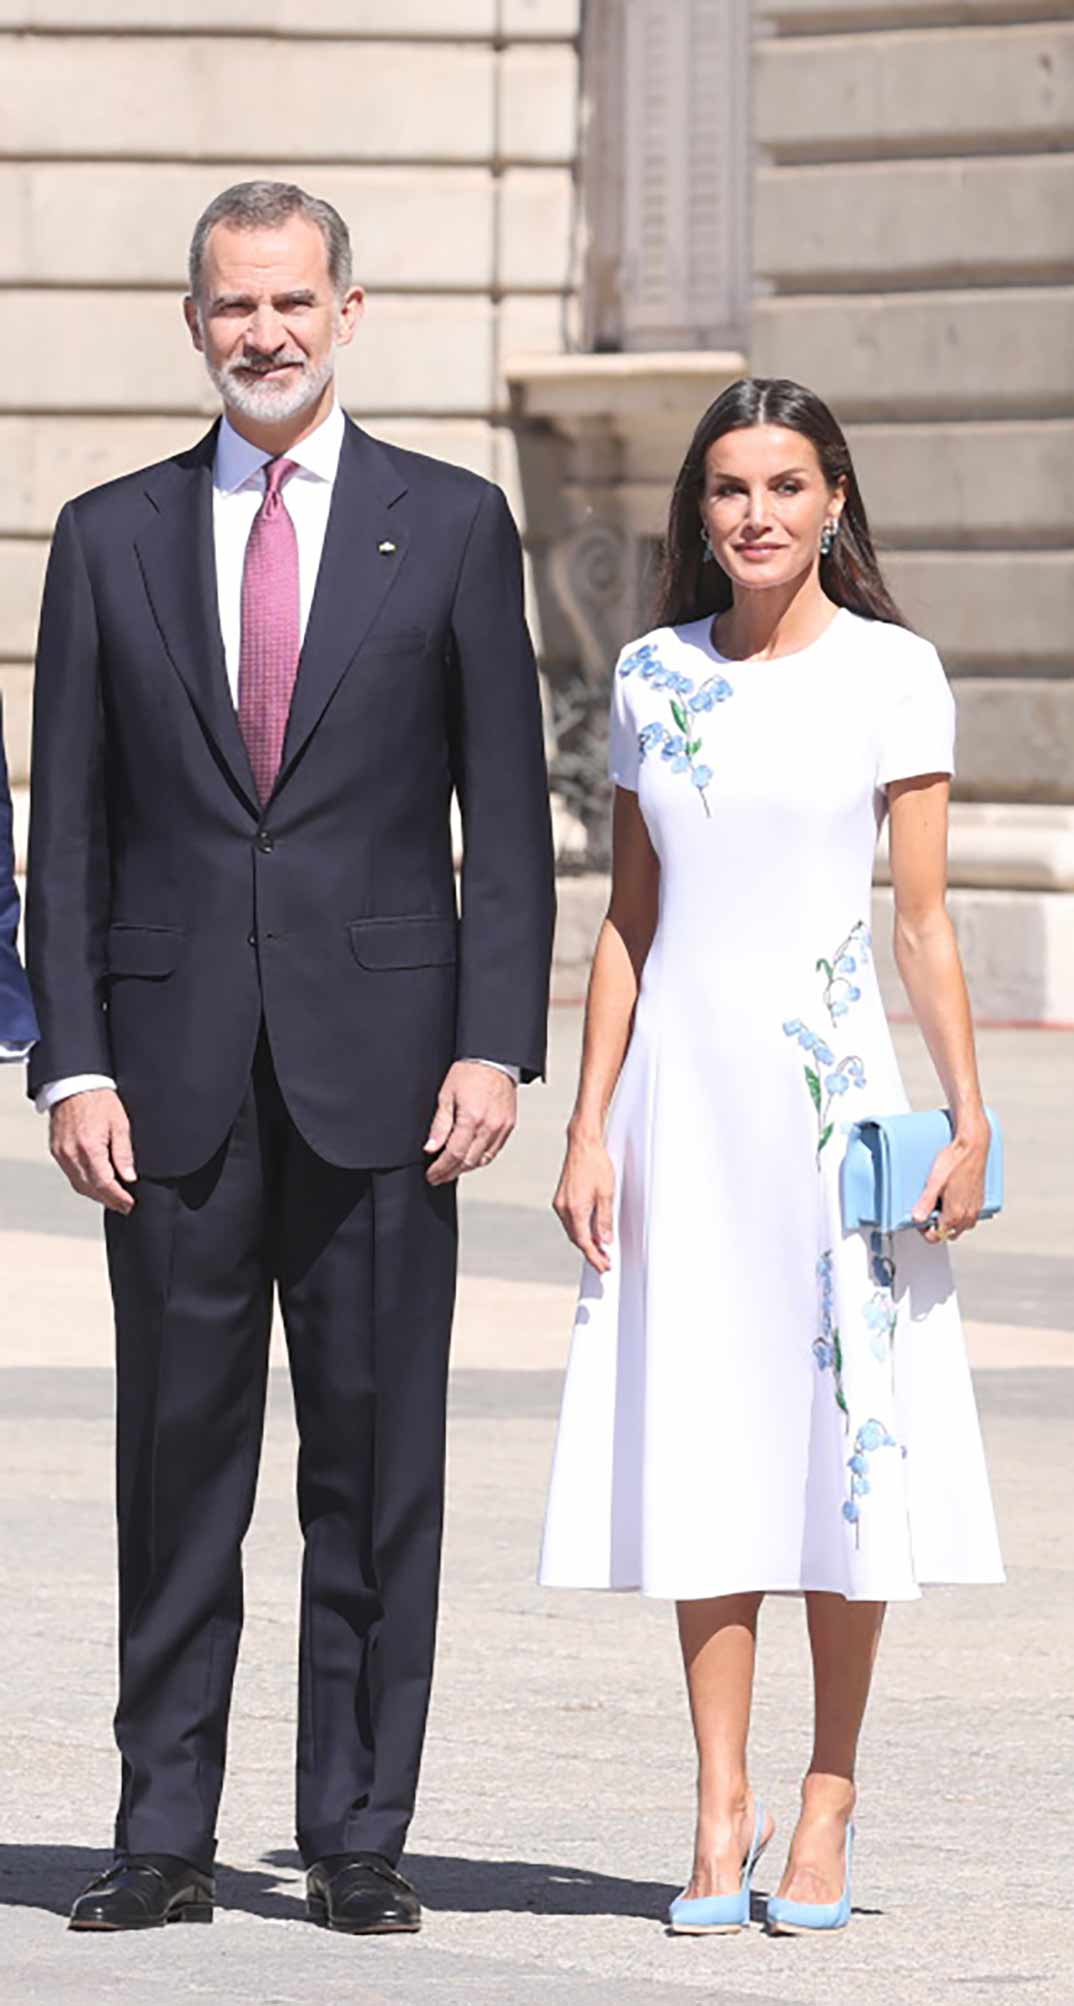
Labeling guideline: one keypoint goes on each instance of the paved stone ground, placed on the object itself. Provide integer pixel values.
(555, 1817)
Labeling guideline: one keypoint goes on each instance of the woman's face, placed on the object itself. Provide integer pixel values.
(765, 503)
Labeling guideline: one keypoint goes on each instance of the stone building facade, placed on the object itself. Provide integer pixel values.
(577, 219)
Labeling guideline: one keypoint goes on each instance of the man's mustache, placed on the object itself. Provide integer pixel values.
(261, 365)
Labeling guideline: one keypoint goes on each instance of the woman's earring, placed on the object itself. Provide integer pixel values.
(707, 552)
(827, 538)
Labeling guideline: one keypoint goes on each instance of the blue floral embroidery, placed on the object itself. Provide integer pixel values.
(872, 1435)
(827, 1349)
(839, 989)
(828, 1079)
(824, 1086)
(680, 747)
(716, 690)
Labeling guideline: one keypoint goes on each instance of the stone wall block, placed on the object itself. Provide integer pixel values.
(1014, 739)
(821, 17)
(944, 90)
(1005, 610)
(17, 691)
(914, 222)
(22, 572)
(540, 17)
(276, 17)
(420, 355)
(537, 103)
(187, 98)
(535, 228)
(528, 324)
(115, 224)
(464, 442)
(995, 483)
(50, 459)
(1017, 949)
(991, 351)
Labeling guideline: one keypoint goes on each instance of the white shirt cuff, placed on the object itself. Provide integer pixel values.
(498, 1066)
(12, 1052)
(61, 1090)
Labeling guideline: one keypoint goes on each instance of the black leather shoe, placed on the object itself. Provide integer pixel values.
(362, 1894)
(144, 1892)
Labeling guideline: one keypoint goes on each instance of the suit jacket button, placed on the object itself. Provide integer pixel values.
(265, 842)
(251, 940)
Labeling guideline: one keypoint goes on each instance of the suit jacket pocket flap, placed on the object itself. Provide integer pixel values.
(143, 950)
(403, 943)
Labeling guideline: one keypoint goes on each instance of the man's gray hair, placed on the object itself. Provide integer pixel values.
(264, 205)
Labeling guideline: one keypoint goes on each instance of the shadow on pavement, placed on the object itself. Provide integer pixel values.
(50, 1877)
(521, 1887)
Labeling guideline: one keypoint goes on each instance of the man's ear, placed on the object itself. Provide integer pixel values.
(351, 309)
(193, 321)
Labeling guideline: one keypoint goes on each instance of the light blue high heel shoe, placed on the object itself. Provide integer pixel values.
(720, 1915)
(787, 1918)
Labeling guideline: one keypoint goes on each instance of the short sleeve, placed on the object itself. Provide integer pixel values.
(623, 757)
(917, 733)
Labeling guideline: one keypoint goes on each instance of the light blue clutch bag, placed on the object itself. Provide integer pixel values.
(887, 1165)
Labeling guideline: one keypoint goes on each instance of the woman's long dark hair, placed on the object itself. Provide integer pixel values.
(850, 574)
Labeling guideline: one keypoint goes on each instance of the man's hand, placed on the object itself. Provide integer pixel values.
(475, 1114)
(90, 1138)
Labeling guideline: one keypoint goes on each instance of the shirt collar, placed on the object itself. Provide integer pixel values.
(237, 461)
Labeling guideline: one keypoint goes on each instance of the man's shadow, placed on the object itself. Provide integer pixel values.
(50, 1877)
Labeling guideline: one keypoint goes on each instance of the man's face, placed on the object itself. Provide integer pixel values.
(267, 318)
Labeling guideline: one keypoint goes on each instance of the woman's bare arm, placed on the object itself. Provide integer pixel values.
(929, 963)
(583, 1200)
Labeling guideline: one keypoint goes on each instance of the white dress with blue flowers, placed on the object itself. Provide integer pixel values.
(755, 1399)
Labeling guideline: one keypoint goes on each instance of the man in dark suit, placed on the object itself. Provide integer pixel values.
(269, 1045)
(18, 1025)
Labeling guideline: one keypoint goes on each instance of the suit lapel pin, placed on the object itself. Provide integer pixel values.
(386, 549)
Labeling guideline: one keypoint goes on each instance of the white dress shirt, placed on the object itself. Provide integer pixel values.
(13, 1052)
(238, 489)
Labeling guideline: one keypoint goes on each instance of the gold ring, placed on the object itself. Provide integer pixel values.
(945, 1232)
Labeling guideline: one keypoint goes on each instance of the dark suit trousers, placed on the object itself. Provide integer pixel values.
(364, 1262)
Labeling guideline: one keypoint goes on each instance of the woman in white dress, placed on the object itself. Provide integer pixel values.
(757, 1402)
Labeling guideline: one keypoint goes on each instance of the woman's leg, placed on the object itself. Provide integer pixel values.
(719, 1643)
(843, 1637)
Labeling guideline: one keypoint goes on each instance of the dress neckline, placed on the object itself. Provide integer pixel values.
(703, 631)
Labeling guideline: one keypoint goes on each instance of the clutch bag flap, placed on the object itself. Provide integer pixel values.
(887, 1163)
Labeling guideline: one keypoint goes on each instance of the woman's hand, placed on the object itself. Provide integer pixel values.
(956, 1183)
(584, 1200)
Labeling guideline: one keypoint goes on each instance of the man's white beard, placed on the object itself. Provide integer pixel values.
(272, 401)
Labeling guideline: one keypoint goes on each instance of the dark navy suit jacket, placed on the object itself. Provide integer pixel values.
(18, 1025)
(170, 914)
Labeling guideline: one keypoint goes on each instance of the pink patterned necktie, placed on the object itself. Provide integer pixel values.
(268, 656)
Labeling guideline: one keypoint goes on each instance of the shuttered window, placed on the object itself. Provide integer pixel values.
(666, 173)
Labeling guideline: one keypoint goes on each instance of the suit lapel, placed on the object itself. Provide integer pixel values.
(176, 554)
(354, 579)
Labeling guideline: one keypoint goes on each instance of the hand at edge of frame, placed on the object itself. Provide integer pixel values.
(90, 1139)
